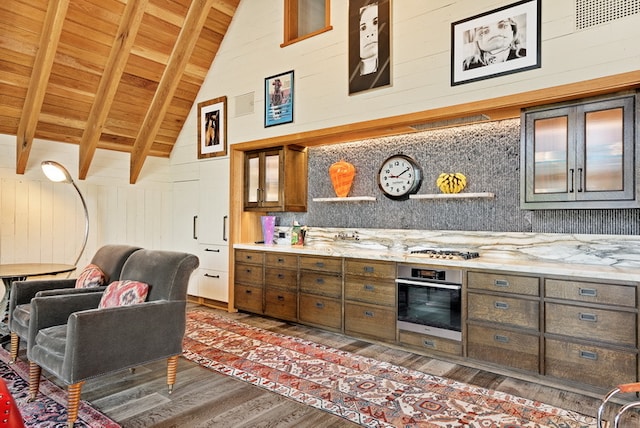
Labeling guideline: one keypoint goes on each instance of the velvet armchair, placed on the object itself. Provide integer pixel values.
(109, 258)
(74, 339)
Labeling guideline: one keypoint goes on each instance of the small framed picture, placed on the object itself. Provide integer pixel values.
(502, 41)
(212, 128)
(278, 99)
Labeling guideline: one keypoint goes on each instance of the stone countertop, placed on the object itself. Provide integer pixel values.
(603, 257)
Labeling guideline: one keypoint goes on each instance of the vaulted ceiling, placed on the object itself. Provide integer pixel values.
(110, 74)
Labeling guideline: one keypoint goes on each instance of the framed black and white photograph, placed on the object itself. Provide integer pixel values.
(212, 128)
(369, 45)
(502, 41)
(278, 96)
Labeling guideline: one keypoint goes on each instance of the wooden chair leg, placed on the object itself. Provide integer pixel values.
(34, 380)
(15, 346)
(172, 366)
(73, 402)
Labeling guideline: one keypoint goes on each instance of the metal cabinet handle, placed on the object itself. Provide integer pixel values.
(369, 287)
(281, 298)
(224, 227)
(247, 291)
(280, 276)
(211, 276)
(501, 305)
(429, 343)
(212, 250)
(572, 180)
(588, 317)
(580, 180)
(319, 305)
(589, 355)
(368, 313)
(320, 264)
(501, 283)
(319, 280)
(500, 338)
(195, 226)
(588, 292)
(369, 269)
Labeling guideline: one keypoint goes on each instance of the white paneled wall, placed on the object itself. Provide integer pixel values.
(41, 221)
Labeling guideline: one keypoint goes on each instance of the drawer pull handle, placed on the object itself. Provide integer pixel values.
(280, 260)
(247, 291)
(320, 264)
(213, 250)
(589, 355)
(501, 283)
(248, 270)
(588, 317)
(501, 305)
(588, 292)
(281, 298)
(319, 305)
(248, 257)
(319, 280)
(211, 276)
(368, 269)
(500, 338)
(369, 287)
(429, 343)
(280, 276)
(368, 314)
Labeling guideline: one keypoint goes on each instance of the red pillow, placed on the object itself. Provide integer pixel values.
(123, 293)
(91, 276)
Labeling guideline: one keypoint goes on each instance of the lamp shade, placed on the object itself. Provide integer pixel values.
(56, 172)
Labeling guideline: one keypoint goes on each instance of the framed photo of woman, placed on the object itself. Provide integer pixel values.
(502, 41)
(278, 99)
(212, 128)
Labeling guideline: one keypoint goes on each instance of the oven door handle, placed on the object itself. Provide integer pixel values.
(429, 284)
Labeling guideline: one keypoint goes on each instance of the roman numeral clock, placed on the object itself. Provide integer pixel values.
(399, 176)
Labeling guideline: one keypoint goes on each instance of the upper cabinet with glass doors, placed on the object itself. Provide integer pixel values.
(580, 155)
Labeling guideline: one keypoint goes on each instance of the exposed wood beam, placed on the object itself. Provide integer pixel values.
(129, 25)
(182, 50)
(51, 30)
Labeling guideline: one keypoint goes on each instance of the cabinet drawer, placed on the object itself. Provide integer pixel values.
(504, 283)
(286, 278)
(370, 268)
(214, 257)
(248, 298)
(248, 274)
(589, 364)
(373, 321)
(505, 310)
(281, 304)
(430, 343)
(248, 256)
(214, 285)
(504, 347)
(322, 264)
(322, 284)
(370, 290)
(283, 260)
(609, 294)
(594, 324)
(321, 311)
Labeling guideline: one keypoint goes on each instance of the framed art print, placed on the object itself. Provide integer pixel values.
(502, 41)
(278, 96)
(212, 128)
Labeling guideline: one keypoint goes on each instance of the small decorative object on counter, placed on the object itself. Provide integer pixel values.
(268, 228)
(451, 182)
(342, 174)
(298, 234)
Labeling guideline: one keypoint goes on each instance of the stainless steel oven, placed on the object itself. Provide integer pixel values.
(429, 301)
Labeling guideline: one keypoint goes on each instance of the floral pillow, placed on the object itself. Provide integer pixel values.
(123, 293)
(91, 276)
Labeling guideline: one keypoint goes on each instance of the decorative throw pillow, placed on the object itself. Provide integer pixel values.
(91, 276)
(123, 293)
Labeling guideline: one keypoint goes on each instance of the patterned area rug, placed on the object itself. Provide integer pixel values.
(362, 390)
(50, 408)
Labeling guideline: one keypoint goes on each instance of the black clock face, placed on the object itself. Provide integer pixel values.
(399, 176)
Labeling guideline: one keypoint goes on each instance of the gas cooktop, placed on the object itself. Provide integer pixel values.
(447, 254)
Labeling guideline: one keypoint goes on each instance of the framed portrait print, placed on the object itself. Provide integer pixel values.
(369, 44)
(502, 41)
(278, 99)
(212, 128)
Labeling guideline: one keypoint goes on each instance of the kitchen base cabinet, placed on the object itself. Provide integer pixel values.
(249, 281)
(248, 298)
(281, 286)
(320, 311)
(370, 321)
(424, 342)
(504, 347)
(282, 304)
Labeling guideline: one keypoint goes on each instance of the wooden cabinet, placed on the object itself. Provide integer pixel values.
(281, 286)
(370, 299)
(249, 280)
(503, 319)
(580, 155)
(276, 179)
(321, 292)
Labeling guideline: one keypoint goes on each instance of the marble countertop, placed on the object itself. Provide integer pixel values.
(603, 257)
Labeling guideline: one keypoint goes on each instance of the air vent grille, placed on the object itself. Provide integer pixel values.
(595, 12)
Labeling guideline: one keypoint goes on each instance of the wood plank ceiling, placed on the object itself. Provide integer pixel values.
(111, 74)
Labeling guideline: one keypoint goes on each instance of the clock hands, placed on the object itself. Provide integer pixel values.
(398, 176)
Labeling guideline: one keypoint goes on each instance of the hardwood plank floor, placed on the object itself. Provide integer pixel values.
(204, 398)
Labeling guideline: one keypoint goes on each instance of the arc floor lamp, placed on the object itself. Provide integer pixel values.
(59, 174)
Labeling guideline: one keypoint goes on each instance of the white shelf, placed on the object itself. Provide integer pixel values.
(346, 199)
(482, 195)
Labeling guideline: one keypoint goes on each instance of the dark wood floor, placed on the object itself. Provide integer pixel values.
(203, 398)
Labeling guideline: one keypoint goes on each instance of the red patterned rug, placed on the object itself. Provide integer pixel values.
(49, 410)
(362, 390)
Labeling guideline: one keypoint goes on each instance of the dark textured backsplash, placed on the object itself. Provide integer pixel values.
(488, 154)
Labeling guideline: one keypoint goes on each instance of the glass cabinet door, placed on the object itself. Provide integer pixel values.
(551, 163)
(272, 177)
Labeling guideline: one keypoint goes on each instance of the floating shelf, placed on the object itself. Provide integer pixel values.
(346, 199)
(482, 195)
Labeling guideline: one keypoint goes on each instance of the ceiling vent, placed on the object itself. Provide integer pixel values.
(595, 12)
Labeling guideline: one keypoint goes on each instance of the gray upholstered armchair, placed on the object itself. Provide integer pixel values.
(109, 258)
(73, 339)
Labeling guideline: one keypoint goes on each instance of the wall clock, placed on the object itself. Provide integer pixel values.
(399, 176)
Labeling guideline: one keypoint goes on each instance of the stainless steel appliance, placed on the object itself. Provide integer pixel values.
(429, 300)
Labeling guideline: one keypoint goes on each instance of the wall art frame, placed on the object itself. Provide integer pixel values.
(496, 43)
(369, 45)
(212, 128)
(278, 99)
